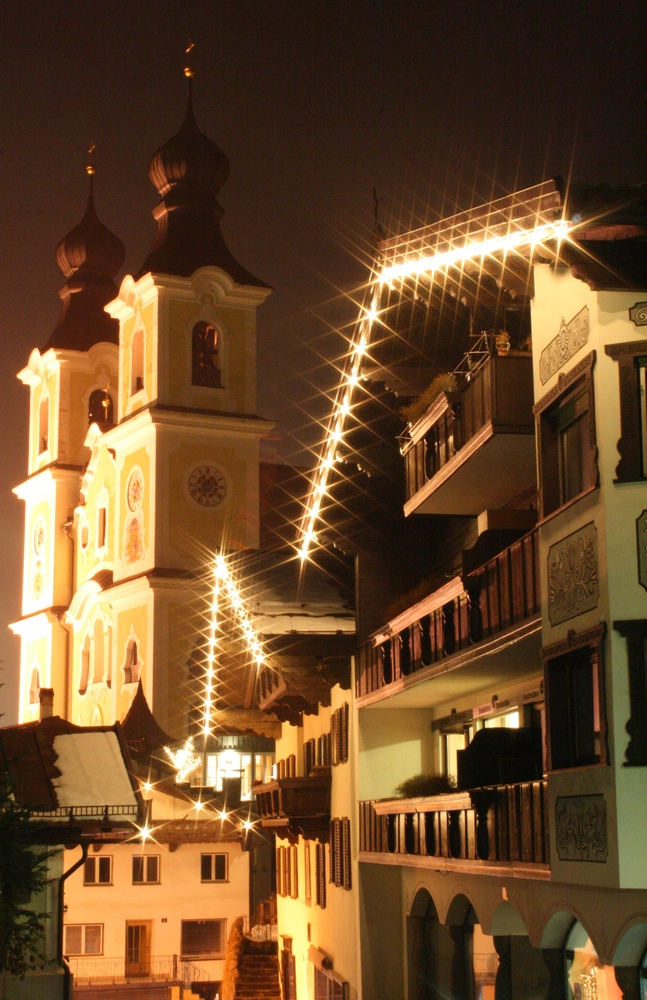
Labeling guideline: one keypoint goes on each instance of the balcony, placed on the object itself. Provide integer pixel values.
(474, 450)
(293, 806)
(455, 623)
(91, 971)
(496, 830)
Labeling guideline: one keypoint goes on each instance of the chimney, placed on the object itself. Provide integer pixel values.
(46, 703)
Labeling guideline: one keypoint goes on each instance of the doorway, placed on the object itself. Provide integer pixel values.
(138, 948)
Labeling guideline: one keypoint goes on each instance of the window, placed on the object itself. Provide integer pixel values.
(85, 665)
(287, 871)
(83, 939)
(205, 356)
(137, 362)
(307, 875)
(340, 853)
(146, 868)
(329, 985)
(98, 871)
(566, 438)
(575, 701)
(100, 408)
(309, 756)
(132, 664)
(294, 871)
(43, 423)
(213, 868)
(632, 372)
(203, 938)
(102, 521)
(34, 687)
(320, 875)
(99, 650)
(288, 970)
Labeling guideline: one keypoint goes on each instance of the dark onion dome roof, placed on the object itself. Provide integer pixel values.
(89, 257)
(189, 171)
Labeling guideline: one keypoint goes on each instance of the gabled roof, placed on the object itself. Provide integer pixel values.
(60, 768)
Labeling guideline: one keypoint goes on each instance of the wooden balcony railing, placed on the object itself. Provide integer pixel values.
(296, 805)
(504, 823)
(497, 595)
(501, 393)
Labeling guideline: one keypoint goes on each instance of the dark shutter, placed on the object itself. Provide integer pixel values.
(138, 869)
(345, 854)
(205, 867)
(307, 872)
(344, 713)
(320, 875)
(294, 871)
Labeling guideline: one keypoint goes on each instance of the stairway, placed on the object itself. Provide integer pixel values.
(258, 972)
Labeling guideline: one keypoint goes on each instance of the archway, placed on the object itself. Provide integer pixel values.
(587, 976)
(523, 972)
(431, 954)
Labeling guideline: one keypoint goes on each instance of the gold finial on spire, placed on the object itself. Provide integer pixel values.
(90, 167)
(189, 70)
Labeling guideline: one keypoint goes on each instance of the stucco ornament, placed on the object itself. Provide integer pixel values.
(571, 338)
(573, 583)
(133, 540)
(581, 828)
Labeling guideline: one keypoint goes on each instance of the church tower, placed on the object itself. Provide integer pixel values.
(73, 384)
(174, 474)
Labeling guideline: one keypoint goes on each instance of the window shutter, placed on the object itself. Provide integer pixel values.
(307, 874)
(345, 854)
(320, 875)
(279, 871)
(138, 869)
(294, 872)
(152, 869)
(344, 732)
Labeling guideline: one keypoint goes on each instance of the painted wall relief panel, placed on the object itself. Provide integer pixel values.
(571, 338)
(581, 828)
(573, 579)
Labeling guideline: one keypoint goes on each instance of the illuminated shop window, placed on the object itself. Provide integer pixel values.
(588, 978)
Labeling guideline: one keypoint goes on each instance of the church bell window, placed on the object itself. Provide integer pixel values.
(137, 362)
(205, 356)
(34, 687)
(43, 424)
(132, 665)
(100, 408)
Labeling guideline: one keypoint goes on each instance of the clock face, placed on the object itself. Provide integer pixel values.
(39, 536)
(135, 489)
(207, 486)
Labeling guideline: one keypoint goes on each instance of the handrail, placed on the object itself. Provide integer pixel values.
(501, 823)
(163, 968)
(503, 592)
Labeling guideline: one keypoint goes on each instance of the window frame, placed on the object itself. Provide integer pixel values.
(592, 639)
(145, 858)
(630, 468)
(83, 952)
(548, 442)
(213, 855)
(204, 956)
(94, 859)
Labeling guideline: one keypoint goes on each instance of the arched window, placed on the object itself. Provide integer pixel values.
(109, 658)
(43, 423)
(97, 666)
(85, 665)
(132, 664)
(34, 687)
(100, 408)
(137, 361)
(205, 356)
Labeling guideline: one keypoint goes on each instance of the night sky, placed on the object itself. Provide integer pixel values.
(437, 105)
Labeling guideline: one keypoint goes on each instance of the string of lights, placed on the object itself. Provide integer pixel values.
(424, 263)
(342, 408)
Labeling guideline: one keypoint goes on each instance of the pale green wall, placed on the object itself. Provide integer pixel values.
(394, 744)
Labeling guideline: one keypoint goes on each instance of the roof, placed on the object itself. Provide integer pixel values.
(140, 729)
(63, 769)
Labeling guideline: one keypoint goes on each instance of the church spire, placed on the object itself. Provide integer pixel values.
(188, 171)
(89, 256)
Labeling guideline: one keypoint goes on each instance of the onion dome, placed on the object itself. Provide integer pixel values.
(188, 172)
(189, 158)
(90, 248)
(89, 257)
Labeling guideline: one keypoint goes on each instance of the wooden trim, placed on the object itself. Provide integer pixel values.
(477, 441)
(583, 369)
(635, 634)
(504, 869)
(424, 804)
(630, 467)
(594, 639)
